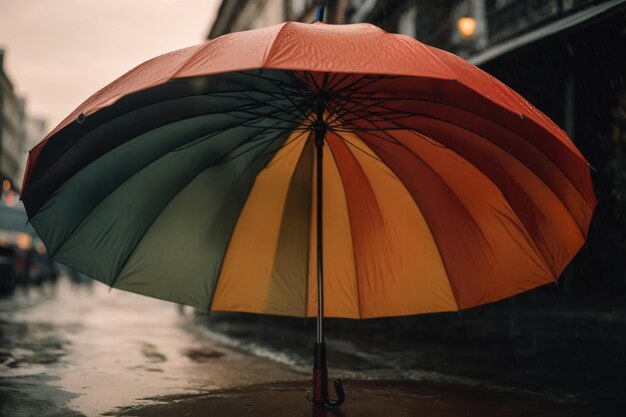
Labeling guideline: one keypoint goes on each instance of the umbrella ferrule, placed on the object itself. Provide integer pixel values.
(320, 12)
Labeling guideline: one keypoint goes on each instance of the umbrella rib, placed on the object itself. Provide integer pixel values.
(339, 115)
(462, 109)
(283, 86)
(354, 88)
(265, 101)
(259, 116)
(337, 79)
(276, 107)
(365, 107)
(206, 137)
(350, 127)
(271, 115)
(339, 109)
(351, 87)
(286, 90)
(311, 82)
(59, 161)
(152, 103)
(253, 102)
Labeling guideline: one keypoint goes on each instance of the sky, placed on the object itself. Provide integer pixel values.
(59, 52)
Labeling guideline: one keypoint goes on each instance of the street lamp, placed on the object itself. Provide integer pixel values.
(466, 26)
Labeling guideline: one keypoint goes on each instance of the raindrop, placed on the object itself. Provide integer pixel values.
(81, 118)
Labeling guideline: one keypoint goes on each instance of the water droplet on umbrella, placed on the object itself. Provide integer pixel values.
(81, 118)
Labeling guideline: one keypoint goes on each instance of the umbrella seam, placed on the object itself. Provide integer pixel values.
(358, 287)
(451, 283)
(538, 125)
(356, 275)
(133, 250)
(230, 236)
(116, 117)
(580, 194)
(535, 247)
(429, 49)
(182, 66)
(268, 53)
(525, 226)
(60, 161)
(527, 233)
(208, 136)
(464, 207)
(73, 232)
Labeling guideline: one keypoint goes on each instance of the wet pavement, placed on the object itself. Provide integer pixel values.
(85, 351)
(69, 350)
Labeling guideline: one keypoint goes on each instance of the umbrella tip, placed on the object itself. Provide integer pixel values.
(320, 12)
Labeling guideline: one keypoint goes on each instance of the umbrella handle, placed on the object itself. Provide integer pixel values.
(341, 396)
(320, 391)
(320, 381)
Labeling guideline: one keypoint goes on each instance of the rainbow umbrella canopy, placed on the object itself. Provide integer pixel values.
(201, 177)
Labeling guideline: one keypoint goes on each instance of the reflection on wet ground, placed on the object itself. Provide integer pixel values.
(84, 350)
(366, 399)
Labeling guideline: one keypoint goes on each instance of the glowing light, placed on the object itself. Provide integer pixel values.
(23, 241)
(9, 198)
(40, 248)
(466, 26)
(6, 185)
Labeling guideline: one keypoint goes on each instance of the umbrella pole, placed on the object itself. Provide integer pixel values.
(320, 379)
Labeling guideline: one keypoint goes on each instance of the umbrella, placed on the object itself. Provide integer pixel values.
(201, 177)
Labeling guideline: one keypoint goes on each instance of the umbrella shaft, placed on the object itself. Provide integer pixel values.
(320, 127)
(319, 145)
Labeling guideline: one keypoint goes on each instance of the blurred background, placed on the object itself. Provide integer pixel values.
(567, 57)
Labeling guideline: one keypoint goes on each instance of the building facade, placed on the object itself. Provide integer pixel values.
(238, 15)
(34, 131)
(19, 132)
(12, 131)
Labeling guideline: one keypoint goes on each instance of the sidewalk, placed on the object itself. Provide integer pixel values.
(364, 399)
